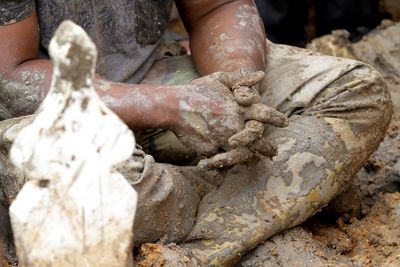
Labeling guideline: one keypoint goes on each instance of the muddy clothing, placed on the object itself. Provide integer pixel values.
(126, 33)
(339, 110)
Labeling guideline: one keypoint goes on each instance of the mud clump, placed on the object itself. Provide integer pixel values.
(151, 255)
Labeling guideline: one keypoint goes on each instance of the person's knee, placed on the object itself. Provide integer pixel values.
(358, 109)
(375, 98)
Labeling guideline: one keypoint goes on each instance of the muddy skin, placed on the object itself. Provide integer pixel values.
(254, 131)
(245, 96)
(231, 36)
(215, 124)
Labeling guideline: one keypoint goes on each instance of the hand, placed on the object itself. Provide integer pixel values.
(249, 142)
(210, 115)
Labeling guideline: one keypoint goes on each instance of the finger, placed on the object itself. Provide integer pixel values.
(253, 131)
(230, 158)
(134, 166)
(245, 96)
(236, 79)
(265, 114)
(198, 143)
(249, 78)
(264, 147)
(138, 151)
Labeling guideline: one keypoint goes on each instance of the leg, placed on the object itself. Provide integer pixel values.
(339, 111)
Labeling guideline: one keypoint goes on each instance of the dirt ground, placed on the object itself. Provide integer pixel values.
(346, 241)
(362, 227)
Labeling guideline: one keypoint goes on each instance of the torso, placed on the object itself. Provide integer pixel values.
(126, 32)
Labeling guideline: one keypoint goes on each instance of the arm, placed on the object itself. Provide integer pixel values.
(203, 114)
(140, 106)
(225, 35)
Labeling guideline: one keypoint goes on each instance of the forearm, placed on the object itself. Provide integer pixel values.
(25, 81)
(229, 38)
(139, 106)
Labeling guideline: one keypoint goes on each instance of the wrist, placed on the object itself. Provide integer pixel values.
(167, 113)
(142, 106)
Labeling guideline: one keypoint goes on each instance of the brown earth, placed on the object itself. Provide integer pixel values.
(371, 241)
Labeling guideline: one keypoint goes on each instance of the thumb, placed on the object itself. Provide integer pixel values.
(240, 78)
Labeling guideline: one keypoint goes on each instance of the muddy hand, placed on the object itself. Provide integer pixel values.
(208, 116)
(244, 87)
(244, 84)
(230, 158)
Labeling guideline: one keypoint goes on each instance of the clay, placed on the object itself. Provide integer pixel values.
(336, 44)
(393, 7)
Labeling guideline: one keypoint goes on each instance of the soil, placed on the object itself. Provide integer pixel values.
(371, 241)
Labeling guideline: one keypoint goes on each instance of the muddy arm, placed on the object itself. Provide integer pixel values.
(224, 35)
(25, 81)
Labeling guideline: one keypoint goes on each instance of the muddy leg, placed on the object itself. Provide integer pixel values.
(329, 137)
